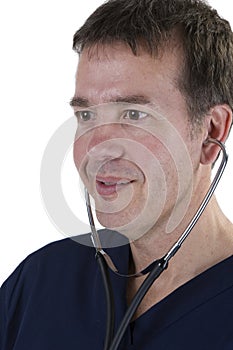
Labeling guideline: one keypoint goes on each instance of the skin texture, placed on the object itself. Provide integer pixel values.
(154, 157)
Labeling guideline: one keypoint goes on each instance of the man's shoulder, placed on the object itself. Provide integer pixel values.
(69, 254)
(48, 258)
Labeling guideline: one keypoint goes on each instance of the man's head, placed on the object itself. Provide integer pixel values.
(136, 92)
(206, 73)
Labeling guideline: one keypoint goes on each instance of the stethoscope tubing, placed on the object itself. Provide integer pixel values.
(110, 307)
(152, 276)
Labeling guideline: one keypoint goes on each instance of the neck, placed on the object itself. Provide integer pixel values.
(210, 242)
(205, 246)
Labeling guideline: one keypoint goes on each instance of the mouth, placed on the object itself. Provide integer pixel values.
(108, 186)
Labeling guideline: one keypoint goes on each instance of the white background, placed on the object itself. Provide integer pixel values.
(37, 81)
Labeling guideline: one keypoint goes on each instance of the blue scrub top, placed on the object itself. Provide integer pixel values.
(55, 300)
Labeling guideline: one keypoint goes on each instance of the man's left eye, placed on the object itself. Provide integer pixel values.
(134, 114)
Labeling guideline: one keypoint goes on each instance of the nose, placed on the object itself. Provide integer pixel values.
(106, 141)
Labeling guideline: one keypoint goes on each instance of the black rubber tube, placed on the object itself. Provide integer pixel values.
(110, 307)
(153, 275)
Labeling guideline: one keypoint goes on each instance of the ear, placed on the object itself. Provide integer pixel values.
(218, 124)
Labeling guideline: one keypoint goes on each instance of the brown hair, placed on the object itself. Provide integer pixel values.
(207, 39)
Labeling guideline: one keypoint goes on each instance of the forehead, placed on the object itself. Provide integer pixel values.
(107, 72)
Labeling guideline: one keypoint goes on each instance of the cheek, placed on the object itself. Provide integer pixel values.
(161, 163)
(155, 147)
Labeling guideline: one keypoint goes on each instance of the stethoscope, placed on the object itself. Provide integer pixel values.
(154, 270)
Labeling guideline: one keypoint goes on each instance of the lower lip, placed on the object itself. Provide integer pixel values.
(104, 190)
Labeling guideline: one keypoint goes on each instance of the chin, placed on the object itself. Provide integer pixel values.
(110, 221)
(132, 228)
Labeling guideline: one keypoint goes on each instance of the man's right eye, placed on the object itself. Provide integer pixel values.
(84, 115)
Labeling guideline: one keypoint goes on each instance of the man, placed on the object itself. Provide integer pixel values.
(153, 89)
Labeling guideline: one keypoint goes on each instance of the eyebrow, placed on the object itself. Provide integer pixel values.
(79, 101)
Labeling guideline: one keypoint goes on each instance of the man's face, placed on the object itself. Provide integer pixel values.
(133, 148)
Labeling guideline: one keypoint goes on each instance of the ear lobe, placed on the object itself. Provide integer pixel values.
(218, 127)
